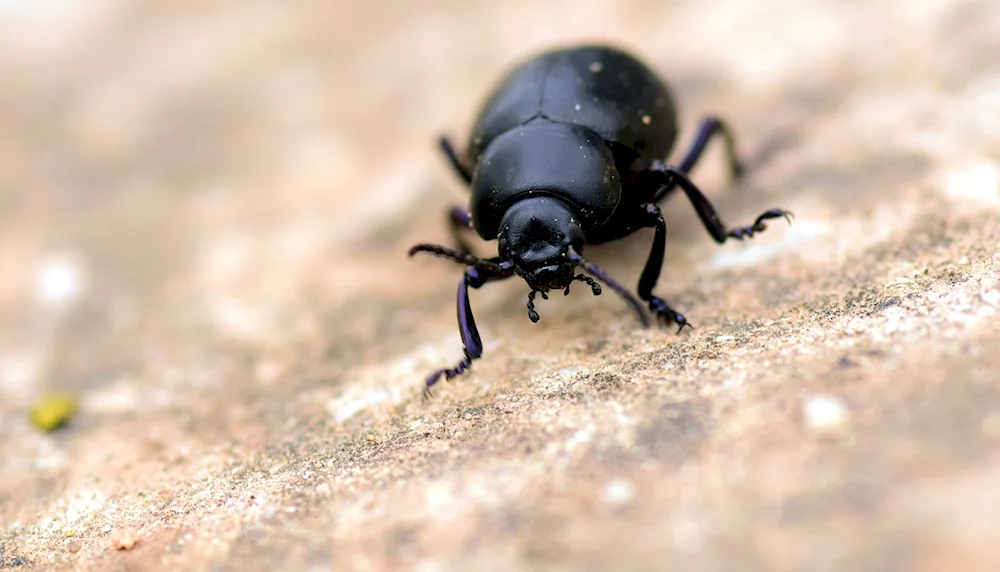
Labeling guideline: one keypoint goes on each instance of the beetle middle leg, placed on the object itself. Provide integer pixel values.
(474, 277)
(667, 177)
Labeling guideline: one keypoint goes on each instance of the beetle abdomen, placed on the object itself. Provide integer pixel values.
(599, 87)
(566, 161)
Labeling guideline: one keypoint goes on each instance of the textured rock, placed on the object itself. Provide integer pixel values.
(204, 214)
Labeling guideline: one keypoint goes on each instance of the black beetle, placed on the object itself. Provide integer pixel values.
(567, 152)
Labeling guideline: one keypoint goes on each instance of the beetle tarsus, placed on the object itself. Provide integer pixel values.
(758, 225)
(447, 373)
(668, 315)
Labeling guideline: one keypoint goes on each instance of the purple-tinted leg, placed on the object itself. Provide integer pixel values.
(665, 176)
(459, 222)
(453, 158)
(710, 127)
(474, 277)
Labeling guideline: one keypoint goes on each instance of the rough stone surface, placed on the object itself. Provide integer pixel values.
(204, 214)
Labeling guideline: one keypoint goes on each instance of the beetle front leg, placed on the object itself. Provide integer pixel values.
(667, 177)
(652, 217)
(475, 278)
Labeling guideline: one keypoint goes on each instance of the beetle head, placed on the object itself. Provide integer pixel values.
(540, 240)
(536, 234)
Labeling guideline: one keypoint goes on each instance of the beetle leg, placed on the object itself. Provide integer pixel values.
(711, 126)
(652, 217)
(474, 277)
(456, 163)
(669, 176)
(460, 221)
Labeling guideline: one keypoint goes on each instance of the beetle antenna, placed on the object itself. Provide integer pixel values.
(462, 258)
(603, 277)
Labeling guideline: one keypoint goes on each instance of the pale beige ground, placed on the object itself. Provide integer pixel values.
(204, 214)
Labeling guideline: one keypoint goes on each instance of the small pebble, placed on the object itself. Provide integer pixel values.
(106, 528)
(73, 546)
(125, 540)
(69, 532)
(825, 415)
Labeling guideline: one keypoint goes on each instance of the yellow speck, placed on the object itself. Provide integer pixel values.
(646, 120)
(52, 411)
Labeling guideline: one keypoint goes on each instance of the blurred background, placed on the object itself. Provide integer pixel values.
(204, 216)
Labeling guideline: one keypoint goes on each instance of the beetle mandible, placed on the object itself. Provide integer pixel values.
(568, 151)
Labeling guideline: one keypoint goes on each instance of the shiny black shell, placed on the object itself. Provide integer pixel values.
(584, 91)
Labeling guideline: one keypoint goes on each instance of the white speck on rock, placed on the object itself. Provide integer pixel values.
(825, 415)
(568, 372)
(618, 492)
(59, 281)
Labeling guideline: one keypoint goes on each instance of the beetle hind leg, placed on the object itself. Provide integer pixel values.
(448, 148)
(709, 128)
